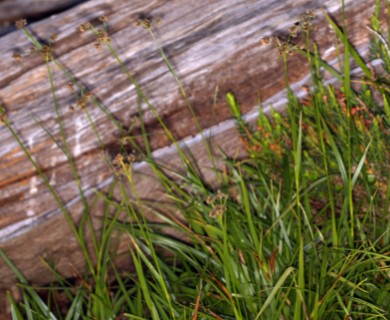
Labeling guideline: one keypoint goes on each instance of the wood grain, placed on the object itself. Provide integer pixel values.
(211, 44)
(12, 10)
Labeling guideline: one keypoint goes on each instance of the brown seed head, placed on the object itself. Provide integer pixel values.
(17, 56)
(88, 95)
(3, 117)
(118, 159)
(82, 103)
(85, 26)
(146, 23)
(131, 158)
(217, 211)
(265, 41)
(70, 86)
(20, 23)
(293, 31)
(53, 37)
(103, 37)
(310, 14)
(47, 52)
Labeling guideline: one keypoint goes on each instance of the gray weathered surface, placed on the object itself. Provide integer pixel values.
(210, 43)
(11, 10)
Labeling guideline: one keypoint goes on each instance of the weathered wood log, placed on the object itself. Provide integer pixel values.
(210, 44)
(11, 10)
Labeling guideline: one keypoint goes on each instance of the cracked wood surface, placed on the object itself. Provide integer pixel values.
(210, 44)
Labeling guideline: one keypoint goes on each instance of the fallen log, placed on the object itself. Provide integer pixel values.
(211, 44)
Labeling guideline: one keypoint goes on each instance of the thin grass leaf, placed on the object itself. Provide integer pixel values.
(275, 290)
(15, 312)
(75, 310)
(34, 296)
(360, 165)
(350, 48)
(336, 153)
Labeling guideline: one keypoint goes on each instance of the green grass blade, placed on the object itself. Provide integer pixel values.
(275, 290)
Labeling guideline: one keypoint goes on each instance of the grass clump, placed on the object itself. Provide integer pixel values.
(297, 230)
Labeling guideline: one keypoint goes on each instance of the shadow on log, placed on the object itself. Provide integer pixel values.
(211, 44)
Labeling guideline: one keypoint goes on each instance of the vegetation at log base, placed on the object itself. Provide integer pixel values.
(297, 230)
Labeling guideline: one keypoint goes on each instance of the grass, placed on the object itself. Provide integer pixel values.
(297, 230)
